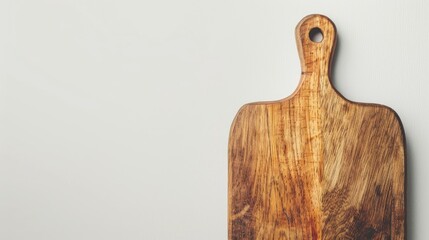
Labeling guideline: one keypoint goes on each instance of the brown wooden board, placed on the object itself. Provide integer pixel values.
(316, 165)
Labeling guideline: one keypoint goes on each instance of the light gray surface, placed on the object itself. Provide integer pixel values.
(114, 115)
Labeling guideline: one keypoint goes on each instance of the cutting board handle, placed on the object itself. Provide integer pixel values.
(316, 56)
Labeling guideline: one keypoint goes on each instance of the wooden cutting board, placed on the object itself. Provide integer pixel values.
(316, 165)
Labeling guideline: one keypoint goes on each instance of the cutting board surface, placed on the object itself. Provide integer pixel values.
(316, 165)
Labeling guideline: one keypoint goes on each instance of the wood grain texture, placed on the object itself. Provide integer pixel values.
(316, 165)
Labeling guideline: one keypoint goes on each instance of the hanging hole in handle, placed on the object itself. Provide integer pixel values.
(316, 35)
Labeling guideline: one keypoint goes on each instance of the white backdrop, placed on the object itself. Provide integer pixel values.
(114, 115)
